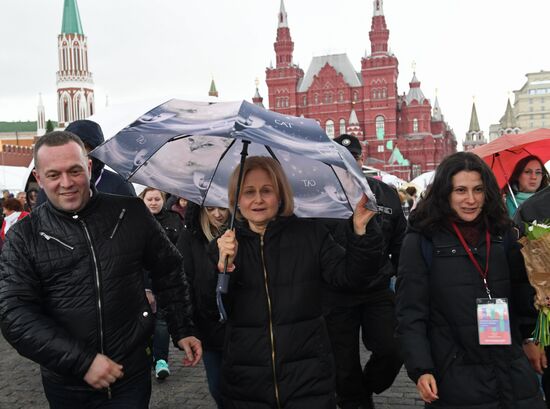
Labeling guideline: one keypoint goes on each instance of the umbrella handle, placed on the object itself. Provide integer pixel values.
(222, 288)
(244, 154)
(497, 155)
(223, 278)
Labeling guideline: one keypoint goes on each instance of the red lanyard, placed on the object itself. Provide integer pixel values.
(482, 273)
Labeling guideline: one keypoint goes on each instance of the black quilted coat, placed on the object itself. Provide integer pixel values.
(171, 222)
(277, 353)
(202, 276)
(437, 324)
(71, 286)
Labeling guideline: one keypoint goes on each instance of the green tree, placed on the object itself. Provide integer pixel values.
(49, 126)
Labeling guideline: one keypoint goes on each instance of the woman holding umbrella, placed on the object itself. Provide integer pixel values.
(277, 352)
(459, 283)
(529, 176)
(202, 225)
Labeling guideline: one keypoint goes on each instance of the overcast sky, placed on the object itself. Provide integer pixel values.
(140, 48)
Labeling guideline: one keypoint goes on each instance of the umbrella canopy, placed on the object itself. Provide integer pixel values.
(190, 149)
(114, 117)
(503, 153)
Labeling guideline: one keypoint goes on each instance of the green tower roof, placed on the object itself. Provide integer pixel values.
(71, 18)
(213, 91)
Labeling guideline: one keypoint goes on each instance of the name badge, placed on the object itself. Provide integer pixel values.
(493, 321)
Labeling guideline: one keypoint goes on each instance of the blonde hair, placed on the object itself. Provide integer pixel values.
(210, 231)
(277, 176)
(150, 189)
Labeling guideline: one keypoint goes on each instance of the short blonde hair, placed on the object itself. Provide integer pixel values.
(277, 176)
(151, 189)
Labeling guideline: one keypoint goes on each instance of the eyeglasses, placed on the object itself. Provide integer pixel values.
(529, 172)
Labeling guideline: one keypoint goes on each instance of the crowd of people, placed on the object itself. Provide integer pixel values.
(96, 282)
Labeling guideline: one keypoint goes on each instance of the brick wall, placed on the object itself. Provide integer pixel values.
(16, 155)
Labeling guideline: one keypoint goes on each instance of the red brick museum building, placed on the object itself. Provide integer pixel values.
(401, 134)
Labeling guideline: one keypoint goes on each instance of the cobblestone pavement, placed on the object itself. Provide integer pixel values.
(186, 388)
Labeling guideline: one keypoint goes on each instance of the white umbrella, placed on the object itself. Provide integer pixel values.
(424, 180)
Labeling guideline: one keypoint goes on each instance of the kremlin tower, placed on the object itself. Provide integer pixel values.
(75, 93)
(474, 136)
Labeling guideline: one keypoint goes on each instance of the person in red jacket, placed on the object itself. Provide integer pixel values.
(13, 211)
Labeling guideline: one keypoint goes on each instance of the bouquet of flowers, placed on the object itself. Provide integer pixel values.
(536, 253)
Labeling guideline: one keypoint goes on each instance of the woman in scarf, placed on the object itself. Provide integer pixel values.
(529, 176)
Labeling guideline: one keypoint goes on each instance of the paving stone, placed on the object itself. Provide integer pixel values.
(185, 388)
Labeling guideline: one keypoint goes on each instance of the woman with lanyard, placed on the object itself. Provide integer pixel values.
(459, 271)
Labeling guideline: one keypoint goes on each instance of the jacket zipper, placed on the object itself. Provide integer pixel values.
(120, 217)
(48, 238)
(272, 337)
(98, 288)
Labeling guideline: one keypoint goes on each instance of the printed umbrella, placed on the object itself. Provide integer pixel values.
(190, 149)
(503, 153)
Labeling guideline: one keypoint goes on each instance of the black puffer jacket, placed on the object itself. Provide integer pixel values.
(277, 353)
(393, 225)
(437, 324)
(534, 208)
(57, 267)
(202, 276)
(171, 222)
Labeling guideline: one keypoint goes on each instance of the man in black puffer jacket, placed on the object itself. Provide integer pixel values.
(72, 295)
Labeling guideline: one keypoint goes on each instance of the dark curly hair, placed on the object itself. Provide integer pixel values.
(520, 167)
(435, 210)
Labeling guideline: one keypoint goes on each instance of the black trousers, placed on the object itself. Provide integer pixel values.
(161, 337)
(376, 320)
(133, 393)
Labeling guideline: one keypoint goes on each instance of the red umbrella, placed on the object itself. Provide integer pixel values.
(503, 153)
